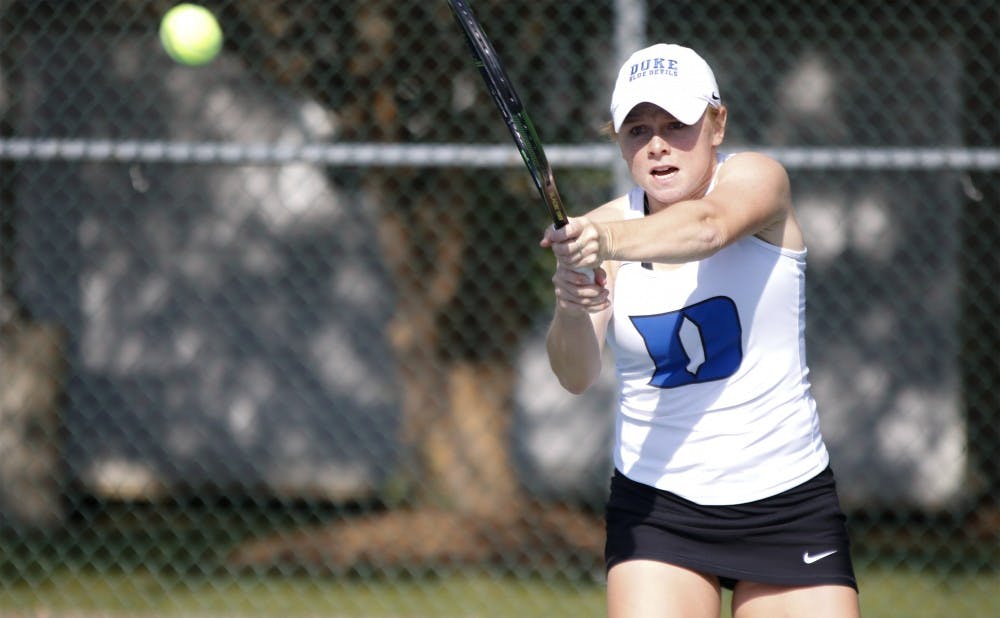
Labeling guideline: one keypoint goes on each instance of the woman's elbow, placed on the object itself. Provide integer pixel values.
(574, 388)
(707, 241)
(577, 383)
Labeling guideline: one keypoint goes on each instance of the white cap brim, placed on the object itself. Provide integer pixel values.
(686, 109)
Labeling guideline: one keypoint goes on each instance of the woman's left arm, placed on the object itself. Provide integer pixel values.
(751, 197)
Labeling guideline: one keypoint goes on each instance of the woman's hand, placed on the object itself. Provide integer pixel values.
(576, 245)
(576, 292)
(579, 280)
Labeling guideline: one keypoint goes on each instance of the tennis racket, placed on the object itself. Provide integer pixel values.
(513, 112)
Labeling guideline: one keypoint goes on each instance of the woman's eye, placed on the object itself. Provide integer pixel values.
(636, 130)
(677, 126)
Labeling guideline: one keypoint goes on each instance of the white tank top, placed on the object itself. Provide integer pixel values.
(715, 403)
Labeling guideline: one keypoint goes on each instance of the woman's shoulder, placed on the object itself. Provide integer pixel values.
(751, 169)
(750, 161)
(759, 183)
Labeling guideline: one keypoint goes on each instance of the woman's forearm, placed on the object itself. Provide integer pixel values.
(574, 350)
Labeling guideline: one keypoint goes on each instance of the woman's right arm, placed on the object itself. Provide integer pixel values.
(575, 339)
(575, 342)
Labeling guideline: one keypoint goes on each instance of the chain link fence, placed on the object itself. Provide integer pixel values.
(271, 328)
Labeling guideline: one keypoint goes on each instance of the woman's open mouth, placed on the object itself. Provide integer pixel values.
(663, 171)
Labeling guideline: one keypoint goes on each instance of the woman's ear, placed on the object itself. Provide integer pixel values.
(719, 125)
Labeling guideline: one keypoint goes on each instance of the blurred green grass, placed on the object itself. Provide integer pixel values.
(886, 593)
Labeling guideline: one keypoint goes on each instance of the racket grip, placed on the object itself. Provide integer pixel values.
(589, 273)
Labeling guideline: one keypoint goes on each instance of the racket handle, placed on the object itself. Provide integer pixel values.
(590, 274)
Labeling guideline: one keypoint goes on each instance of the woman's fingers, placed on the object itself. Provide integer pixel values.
(576, 290)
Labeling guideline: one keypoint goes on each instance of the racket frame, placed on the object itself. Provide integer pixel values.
(514, 114)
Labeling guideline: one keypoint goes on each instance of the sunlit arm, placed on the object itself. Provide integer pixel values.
(751, 197)
(574, 343)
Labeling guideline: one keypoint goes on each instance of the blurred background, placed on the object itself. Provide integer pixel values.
(271, 328)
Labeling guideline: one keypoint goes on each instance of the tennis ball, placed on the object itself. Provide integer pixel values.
(190, 34)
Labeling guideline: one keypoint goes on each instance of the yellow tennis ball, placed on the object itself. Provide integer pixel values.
(190, 34)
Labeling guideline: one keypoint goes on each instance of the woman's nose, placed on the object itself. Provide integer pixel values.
(657, 145)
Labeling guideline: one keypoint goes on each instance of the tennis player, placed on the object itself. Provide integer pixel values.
(722, 478)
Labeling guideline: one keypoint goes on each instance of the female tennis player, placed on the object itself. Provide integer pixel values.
(722, 477)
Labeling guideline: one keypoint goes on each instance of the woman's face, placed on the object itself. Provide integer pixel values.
(670, 160)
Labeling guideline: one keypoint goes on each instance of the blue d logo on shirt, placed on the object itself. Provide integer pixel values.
(700, 343)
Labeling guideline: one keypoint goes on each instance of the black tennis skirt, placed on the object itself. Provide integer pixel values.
(796, 538)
